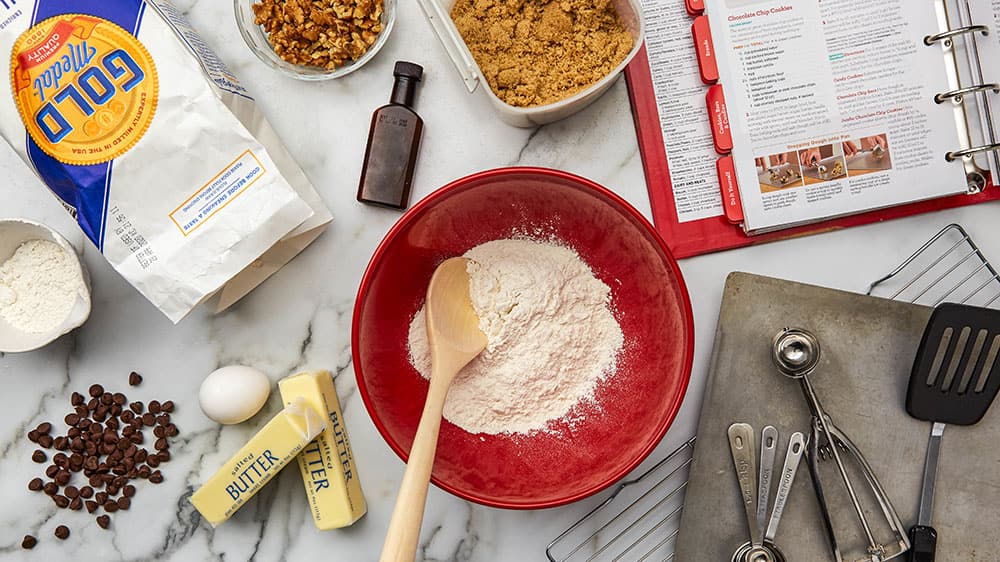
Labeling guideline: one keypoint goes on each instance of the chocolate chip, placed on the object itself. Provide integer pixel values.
(154, 406)
(128, 491)
(60, 443)
(81, 411)
(172, 430)
(50, 488)
(76, 399)
(96, 390)
(140, 455)
(153, 461)
(71, 492)
(59, 459)
(91, 506)
(76, 445)
(163, 419)
(39, 456)
(103, 520)
(127, 416)
(51, 471)
(73, 433)
(86, 492)
(61, 501)
(148, 419)
(76, 504)
(96, 481)
(144, 471)
(136, 407)
(93, 403)
(72, 419)
(112, 490)
(136, 438)
(163, 455)
(35, 484)
(33, 436)
(161, 444)
(167, 406)
(62, 478)
(124, 503)
(107, 399)
(156, 477)
(110, 506)
(45, 441)
(28, 542)
(62, 532)
(134, 378)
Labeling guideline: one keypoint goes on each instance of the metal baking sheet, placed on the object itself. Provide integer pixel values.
(780, 170)
(829, 163)
(868, 348)
(865, 160)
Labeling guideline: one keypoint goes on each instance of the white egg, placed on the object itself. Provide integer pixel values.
(233, 394)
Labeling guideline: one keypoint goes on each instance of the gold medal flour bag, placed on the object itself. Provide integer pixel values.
(151, 143)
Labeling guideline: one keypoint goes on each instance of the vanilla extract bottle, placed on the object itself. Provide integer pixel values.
(393, 143)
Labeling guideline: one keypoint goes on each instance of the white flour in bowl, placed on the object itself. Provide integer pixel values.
(39, 285)
(552, 338)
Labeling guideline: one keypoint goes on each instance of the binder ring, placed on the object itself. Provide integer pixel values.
(957, 94)
(931, 39)
(955, 155)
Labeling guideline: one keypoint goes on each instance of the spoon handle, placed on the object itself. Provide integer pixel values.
(796, 446)
(404, 526)
(742, 447)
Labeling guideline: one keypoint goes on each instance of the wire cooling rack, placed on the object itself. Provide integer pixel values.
(640, 520)
(949, 267)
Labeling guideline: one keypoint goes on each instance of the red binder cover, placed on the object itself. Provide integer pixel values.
(724, 232)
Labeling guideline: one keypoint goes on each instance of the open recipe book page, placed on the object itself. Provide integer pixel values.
(831, 107)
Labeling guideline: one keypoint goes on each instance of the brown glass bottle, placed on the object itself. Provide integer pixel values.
(393, 143)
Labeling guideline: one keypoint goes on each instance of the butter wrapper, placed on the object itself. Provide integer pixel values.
(327, 464)
(243, 475)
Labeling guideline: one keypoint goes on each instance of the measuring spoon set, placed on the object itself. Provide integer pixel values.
(755, 487)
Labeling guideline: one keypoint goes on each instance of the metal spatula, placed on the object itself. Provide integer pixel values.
(954, 381)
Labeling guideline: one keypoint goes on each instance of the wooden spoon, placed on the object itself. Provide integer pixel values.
(455, 339)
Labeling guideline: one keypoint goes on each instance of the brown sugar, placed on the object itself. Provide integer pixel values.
(535, 52)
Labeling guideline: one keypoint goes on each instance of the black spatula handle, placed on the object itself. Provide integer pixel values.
(924, 541)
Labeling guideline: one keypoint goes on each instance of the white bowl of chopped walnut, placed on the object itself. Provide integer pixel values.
(315, 39)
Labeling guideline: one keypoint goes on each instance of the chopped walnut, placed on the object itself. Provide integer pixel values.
(322, 33)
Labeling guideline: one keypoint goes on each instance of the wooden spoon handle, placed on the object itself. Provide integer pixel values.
(404, 527)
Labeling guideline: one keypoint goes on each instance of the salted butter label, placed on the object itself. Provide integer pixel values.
(85, 88)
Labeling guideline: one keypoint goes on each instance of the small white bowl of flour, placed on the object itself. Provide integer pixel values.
(44, 288)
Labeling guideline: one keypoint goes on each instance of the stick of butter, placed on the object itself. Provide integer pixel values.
(243, 475)
(327, 465)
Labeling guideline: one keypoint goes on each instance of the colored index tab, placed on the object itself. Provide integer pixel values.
(722, 137)
(731, 203)
(694, 7)
(708, 65)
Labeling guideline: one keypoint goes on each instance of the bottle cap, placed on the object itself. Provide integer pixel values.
(408, 70)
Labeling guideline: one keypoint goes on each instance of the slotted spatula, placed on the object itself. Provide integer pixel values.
(954, 380)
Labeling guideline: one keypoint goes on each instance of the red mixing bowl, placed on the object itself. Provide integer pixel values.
(633, 407)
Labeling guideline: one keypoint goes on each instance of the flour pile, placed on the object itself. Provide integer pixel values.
(38, 286)
(552, 338)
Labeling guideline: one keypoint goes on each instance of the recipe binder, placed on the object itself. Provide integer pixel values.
(724, 231)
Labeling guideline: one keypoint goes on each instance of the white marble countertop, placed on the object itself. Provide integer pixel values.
(301, 318)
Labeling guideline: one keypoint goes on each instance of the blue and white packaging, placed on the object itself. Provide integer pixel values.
(154, 146)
